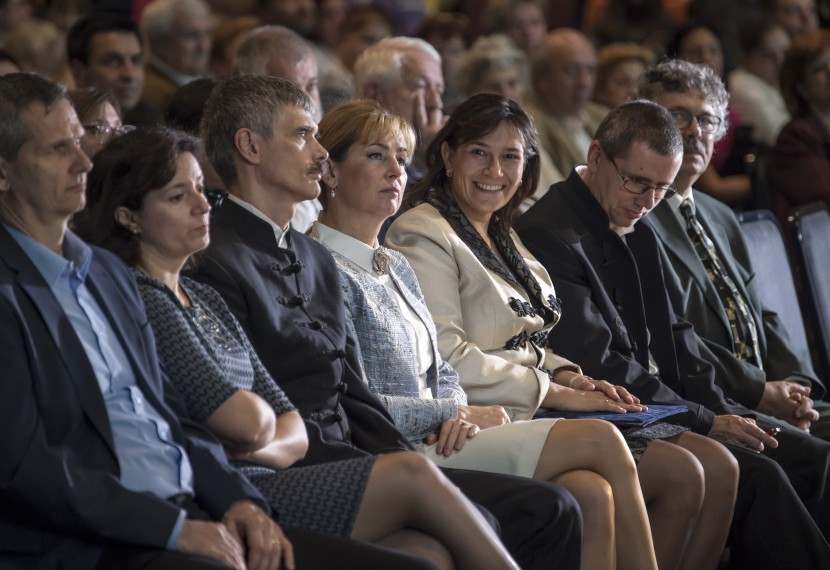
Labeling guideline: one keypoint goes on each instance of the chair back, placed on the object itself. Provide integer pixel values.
(773, 274)
(810, 227)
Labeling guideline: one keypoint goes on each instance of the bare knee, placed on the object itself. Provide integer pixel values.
(672, 475)
(410, 471)
(719, 466)
(592, 491)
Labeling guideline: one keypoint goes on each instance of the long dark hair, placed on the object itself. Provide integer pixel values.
(476, 118)
(125, 171)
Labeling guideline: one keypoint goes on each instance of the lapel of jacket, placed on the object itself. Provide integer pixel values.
(420, 309)
(67, 344)
(671, 231)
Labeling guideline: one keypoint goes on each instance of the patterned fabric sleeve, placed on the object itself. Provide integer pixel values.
(264, 384)
(184, 358)
(414, 417)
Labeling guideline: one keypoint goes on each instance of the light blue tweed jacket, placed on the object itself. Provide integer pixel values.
(389, 360)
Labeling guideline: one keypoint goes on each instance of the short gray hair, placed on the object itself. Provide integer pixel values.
(679, 76)
(381, 63)
(639, 121)
(488, 54)
(266, 43)
(157, 17)
(254, 102)
(18, 91)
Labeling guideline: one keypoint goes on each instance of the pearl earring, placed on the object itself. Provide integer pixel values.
(449, 173)
(331, 193)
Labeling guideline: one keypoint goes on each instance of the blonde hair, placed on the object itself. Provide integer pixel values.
(360, 122)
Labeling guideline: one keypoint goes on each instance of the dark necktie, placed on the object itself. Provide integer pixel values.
(744, 330)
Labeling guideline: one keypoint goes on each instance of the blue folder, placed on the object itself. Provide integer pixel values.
(642, 419)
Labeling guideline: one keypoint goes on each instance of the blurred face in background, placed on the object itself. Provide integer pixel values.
(621, 84)
(702, 46)
(527, 26)
(507, 82)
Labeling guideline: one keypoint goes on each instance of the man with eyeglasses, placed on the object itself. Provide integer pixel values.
(619, 325)
(754, 361)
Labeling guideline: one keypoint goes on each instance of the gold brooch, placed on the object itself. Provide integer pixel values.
(380, 261)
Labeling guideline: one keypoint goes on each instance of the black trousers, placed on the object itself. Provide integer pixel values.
(772, 529)
(541, 524)
(311, 552)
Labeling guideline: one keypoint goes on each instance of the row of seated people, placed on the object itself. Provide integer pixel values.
(318, 345)
(567, 110)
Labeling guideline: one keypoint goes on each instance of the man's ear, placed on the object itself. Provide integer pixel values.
(247, 144)
(594, 155)
(127, 219)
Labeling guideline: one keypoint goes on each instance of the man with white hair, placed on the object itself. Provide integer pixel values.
(404, 75)
(178, 34)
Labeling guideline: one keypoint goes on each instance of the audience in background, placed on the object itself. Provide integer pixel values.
(100, 117)
(178, 34)
(795, 16)
(619, 69)
(447, 34)
(277, 51)
(107, 52)
(800, 165)
(227, 35)
(728, 176)
(563, 74)
(754, 85)
(404, 75)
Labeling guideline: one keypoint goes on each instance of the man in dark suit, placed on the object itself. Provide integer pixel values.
(617, 323)
(754, 361)
(97, 467)
(283, 287)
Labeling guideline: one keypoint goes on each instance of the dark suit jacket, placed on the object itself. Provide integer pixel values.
(290, 305)
(799, 169)
(59, 487)
(694, 295)
(613, 297)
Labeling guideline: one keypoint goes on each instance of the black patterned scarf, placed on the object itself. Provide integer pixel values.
(511, 267)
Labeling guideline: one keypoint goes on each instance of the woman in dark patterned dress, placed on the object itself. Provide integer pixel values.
(145, 196)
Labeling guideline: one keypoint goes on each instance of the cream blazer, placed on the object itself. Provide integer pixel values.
(474, 317)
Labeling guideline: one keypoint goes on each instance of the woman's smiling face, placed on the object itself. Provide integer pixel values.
(486, 172)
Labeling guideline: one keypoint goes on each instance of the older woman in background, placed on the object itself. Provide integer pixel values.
(494, 305)
(800, 165)
(146, 204)
(369, 149)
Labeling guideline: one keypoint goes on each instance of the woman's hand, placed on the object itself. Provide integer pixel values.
(452, 436)
(484, 416)
(567, 399)
(616, 393)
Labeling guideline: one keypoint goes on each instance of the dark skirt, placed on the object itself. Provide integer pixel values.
(322, 498)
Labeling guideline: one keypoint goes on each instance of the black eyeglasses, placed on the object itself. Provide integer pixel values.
(635, 187)
(709, 124)
(105, 133)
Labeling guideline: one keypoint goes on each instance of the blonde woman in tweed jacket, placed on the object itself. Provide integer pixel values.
(369, 149)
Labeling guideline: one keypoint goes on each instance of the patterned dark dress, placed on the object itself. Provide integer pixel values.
(207, 356)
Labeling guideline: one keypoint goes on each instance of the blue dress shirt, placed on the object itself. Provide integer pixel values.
(150, 461)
